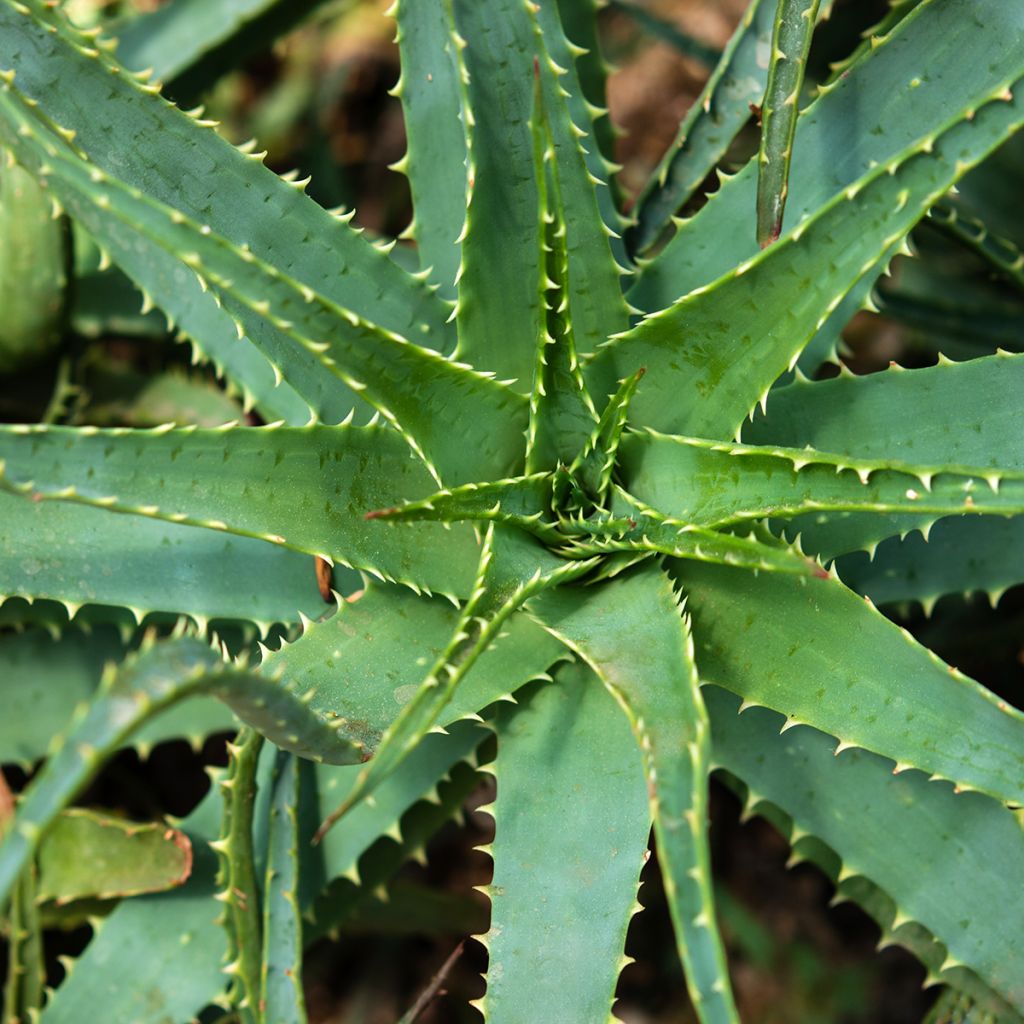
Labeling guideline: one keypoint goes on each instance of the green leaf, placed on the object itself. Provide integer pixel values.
(719, 484)
(431, 88)
(79, 555)
(519, 501)
(704, 383)
(1003, 256)
(94, 855)
(203, 176)
(304, 488)
(42, 680)
(827, 157)
(567, 854)
(917, 841)
(281, 996)
(961, 555)
(176, 945)
(155, 678)
(189, 44)
(178, 968)
(596, 461)
(647, 530)
(592, 284)
(632, 635)
(513, 568)
(237, 878)
(710, 125)
(47, 679)
(572, 39)
(317, 344)
(364, 664)
(562, 414)
(502, 236)
(26, 965)
(963, 414)
(791, 42)
(825, 657)
(33, 278)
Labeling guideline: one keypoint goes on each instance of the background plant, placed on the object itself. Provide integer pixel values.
(565, 508)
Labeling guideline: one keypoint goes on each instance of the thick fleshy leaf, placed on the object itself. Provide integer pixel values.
(821, 655)
(567, 854)
(68, 552)
(709, 127)
(178, 968)
(963, 414)
(432, 88)
(328, 352)
(791, 42)
(189, 44)
(281, 996)
(513, 568)
(973, 41)
(45, 679)
(157, 677)
(88, 855)
(193, 170)
(304, 488)
(919, 842)
(364, 664)
(704, 382)
(33, 275)
(633, 636)
(962, 555)
(719, 484)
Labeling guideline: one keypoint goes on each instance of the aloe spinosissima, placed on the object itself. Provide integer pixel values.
(546, 455)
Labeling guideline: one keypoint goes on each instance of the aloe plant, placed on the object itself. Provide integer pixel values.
(546, 459)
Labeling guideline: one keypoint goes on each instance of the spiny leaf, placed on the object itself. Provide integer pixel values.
(913, 839)
(520, 501)
(974, 42)
(701, 383)
(363, 665)
(237, 879)
(708, 128)
(791, 41)
(91, 855)
(718, 484)
(593, 251)
(307, 488)
(963, 414)
(189, 44)
(596, 461)
(203, 176)
(513, 568)
(33, 277)
(498, 308)
(562, 414)
(316, 342)
(960, 556)
(433, 86)
(159, 677)
(839, 678)
(26, 966)
(1002, 255)
(647, 530)
(78, 555)
(567, 854)
(281, 997)
(631, 634)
